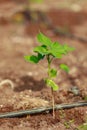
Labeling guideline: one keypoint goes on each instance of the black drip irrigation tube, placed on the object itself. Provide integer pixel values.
(41, 110)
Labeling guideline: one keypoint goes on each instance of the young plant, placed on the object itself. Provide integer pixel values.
(49, 50)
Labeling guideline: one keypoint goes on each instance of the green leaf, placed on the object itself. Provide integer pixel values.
(53, 73)
(41, 49)
(57, 50)
(32, 59)
(68, 48)
(44, 40)
(64, 67)
(55, 45)
(51, 83)
(48, 47)
(56, 54)
(40, 56)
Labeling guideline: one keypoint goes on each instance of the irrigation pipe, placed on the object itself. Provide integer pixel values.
(41, 110)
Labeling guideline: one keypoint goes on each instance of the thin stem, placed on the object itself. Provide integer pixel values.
(49, 59)
(49, 62)
(53, 103)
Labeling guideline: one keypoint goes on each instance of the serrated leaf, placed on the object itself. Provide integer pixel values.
(41, 49)
(57, 50)
(51, 83)
(60, 49)
(56, 54)
(44, 40)
(53, 73)
(56, 45)
(32, 59)
(64, 67)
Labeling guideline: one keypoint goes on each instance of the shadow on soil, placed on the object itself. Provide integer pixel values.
(29, 83)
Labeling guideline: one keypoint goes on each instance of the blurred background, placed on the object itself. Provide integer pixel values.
(20, 22)
(62, 20)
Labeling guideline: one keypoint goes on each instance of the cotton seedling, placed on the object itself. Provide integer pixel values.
(49, 50)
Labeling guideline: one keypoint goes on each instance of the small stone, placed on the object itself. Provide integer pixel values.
(76, 7)
(29, 73)
(1, 105)
(74, 90)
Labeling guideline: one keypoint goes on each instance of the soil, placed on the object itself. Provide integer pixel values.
(21, 84)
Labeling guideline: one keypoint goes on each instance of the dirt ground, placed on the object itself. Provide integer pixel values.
(21, 83)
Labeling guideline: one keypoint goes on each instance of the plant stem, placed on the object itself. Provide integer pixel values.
(49, 68)
(53, 103)
(48, 59)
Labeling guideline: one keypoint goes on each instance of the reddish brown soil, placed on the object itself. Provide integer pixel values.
(29, 90)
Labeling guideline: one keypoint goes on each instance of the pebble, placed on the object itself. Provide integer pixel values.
(1, 105)
(74, 90)
(76, 7)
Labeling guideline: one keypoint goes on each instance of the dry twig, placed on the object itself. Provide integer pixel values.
(6, 81)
